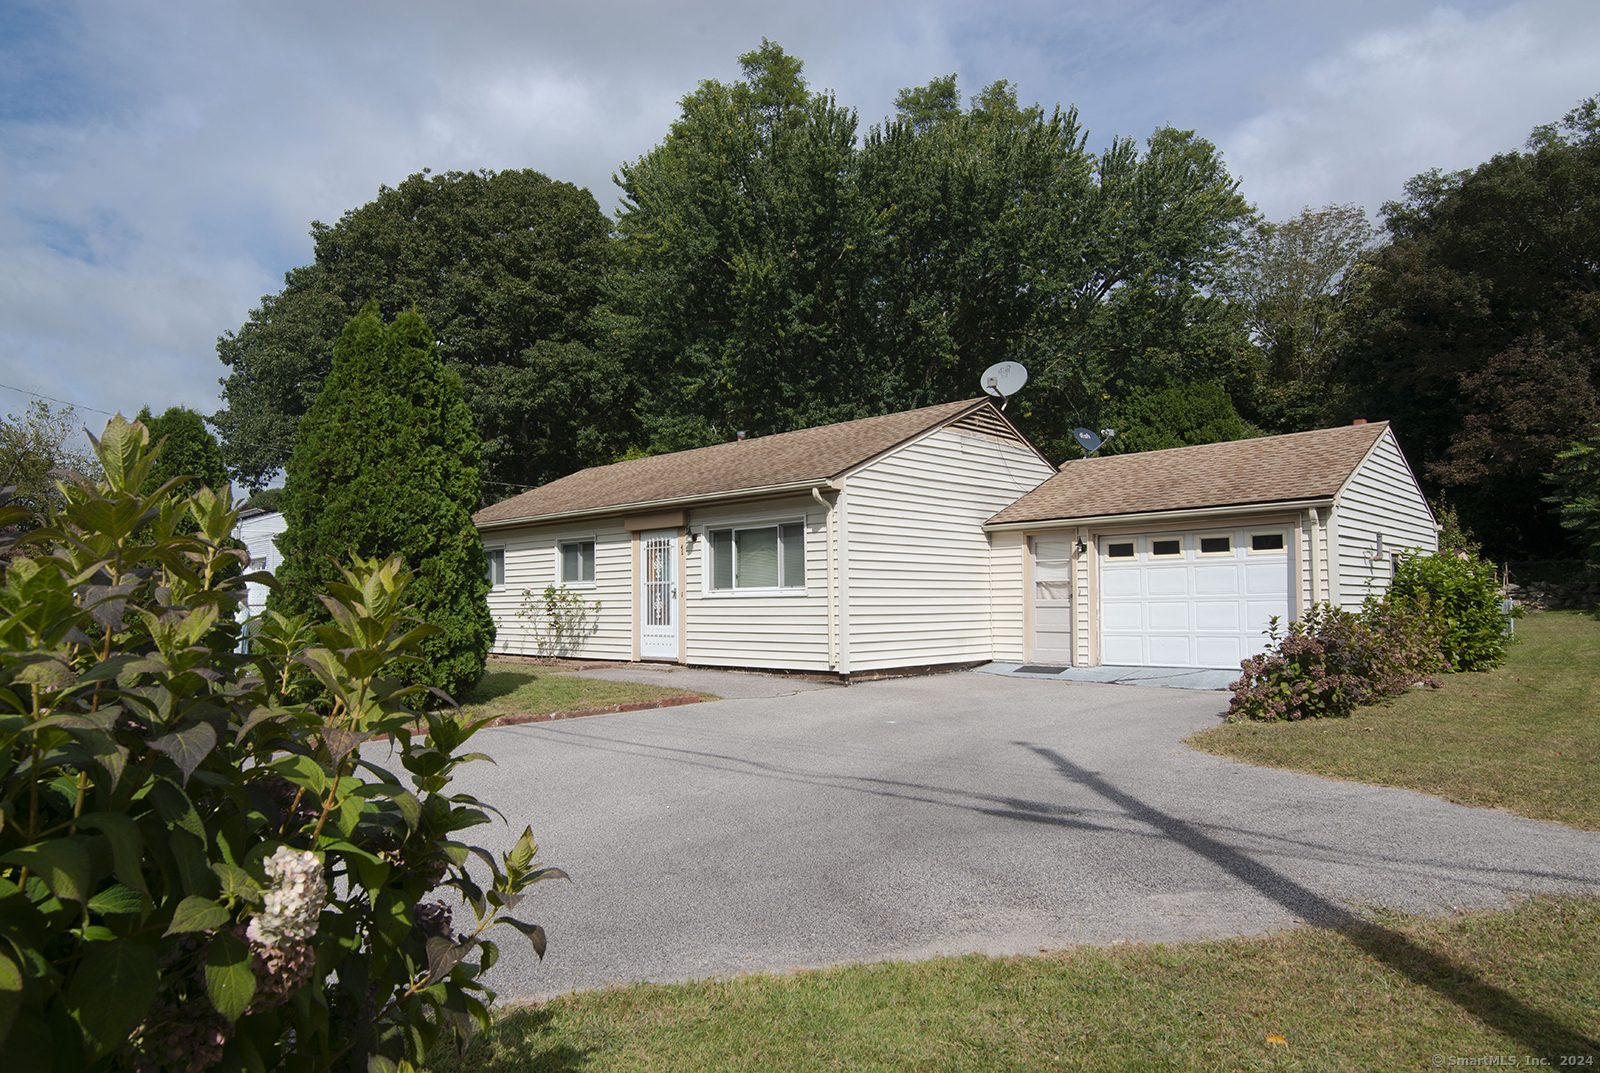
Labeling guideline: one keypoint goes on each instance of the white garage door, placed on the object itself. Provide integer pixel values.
(1197, 599)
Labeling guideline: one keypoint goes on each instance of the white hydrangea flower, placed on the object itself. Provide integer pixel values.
(295, 902)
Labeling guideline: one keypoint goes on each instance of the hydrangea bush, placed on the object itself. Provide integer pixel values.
(199, 866)
(1441, 613)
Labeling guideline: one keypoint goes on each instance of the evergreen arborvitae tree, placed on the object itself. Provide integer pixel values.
(189, 449)
(386, 463)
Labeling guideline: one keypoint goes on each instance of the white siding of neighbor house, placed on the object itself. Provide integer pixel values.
(258, 533)
(1380, 497)
(784, 631)
(920, 565)
(531, 565)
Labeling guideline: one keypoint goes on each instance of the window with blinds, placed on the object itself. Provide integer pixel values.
(758, 557)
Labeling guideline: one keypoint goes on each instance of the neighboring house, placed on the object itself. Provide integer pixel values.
(257, 530)
(849, 548)
(941, 537)
(1180, 558)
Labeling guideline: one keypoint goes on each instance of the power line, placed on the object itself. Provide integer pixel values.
(280, 451)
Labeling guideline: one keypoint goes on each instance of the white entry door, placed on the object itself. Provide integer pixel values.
(658, 594)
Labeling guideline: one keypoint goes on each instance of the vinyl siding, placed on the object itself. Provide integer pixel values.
(1007, 611)
(531, 566)
(1381, 497)
(921, 569)
(787, 631)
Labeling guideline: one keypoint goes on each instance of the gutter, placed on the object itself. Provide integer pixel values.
(643, 505)
(1285, 505)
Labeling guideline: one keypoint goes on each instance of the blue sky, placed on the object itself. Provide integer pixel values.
(161, 162)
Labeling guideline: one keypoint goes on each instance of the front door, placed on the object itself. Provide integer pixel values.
(658, 594)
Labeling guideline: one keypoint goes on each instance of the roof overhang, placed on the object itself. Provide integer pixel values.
(647, 505)
(1230, 510)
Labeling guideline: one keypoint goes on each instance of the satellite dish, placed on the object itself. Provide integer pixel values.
(1004, 380)
(1089, 441)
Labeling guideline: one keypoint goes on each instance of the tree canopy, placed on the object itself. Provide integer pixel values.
(187, 448)
(32, 445)
(778, 271)
(508, 268)
(1478, 326)
(386, 464)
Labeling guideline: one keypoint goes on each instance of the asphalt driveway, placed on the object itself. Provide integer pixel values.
(953, 813)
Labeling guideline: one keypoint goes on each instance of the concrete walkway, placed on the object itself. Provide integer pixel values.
(962, 812)
(1172, 677)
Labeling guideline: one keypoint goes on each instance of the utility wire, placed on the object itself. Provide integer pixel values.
(281, 452)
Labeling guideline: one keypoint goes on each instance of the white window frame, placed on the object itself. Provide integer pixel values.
(1111, 542)
(578, 583)
(708, 566)
(1282, 534)
(489, 569)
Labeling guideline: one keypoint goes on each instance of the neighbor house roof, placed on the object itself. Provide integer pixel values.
(1272, 469)
(787, 461)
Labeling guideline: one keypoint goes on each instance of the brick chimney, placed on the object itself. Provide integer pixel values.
(1359, 421)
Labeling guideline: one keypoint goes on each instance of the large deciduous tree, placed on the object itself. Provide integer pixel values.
(779, 272)
(509, 269)
(1292, 283)
(34, 444)
(1480, 326)
(386, 463)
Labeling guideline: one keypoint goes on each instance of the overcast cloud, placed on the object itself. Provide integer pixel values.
(160, 162)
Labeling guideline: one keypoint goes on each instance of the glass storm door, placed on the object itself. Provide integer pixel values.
(658, 594)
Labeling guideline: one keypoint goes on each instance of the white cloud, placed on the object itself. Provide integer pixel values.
(1448, 91)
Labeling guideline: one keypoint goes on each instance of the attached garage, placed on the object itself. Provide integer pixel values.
(1182, 558)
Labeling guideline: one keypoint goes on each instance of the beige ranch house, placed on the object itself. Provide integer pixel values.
(941, 537)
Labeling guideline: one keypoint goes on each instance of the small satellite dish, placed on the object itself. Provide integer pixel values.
(1004, 380)
(1089, 441)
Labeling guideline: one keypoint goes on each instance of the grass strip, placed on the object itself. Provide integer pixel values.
(520, 691)
(1387, 994)
(1523, 737)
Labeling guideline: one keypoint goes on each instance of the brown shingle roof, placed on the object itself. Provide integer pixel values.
(1272, 469)
(811, 455)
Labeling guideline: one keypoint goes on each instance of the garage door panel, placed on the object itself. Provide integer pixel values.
(1259, 613)
(1216, 615)
(1168, 651)
(1167, 581)
(1262, 579)
(1128, 616)
(1123, 651)
(1216, 579)
(1115, 583)
(1167, 617)
(1219, 651)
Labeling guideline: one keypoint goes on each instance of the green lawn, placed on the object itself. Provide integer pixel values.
(1387, 995)
(1524, 737)
(520, 689)
(1391, 993)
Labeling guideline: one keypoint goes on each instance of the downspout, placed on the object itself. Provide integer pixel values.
(833, 618)
(1316, 558)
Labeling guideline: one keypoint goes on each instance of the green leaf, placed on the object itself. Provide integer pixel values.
(117, 899)
(61, 864)
(229, 981)
(188, 747)
(175, 808)
(236, 882)
(534, 933)
(196, 914)
(127, 845)
(444, 955)
(111, 992)
(10, 993)
(302, 771)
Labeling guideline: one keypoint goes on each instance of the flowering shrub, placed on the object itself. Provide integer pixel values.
(561, 619)
(1332, 660)
(198, 865)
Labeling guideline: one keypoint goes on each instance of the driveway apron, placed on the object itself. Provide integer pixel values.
(950, 814)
